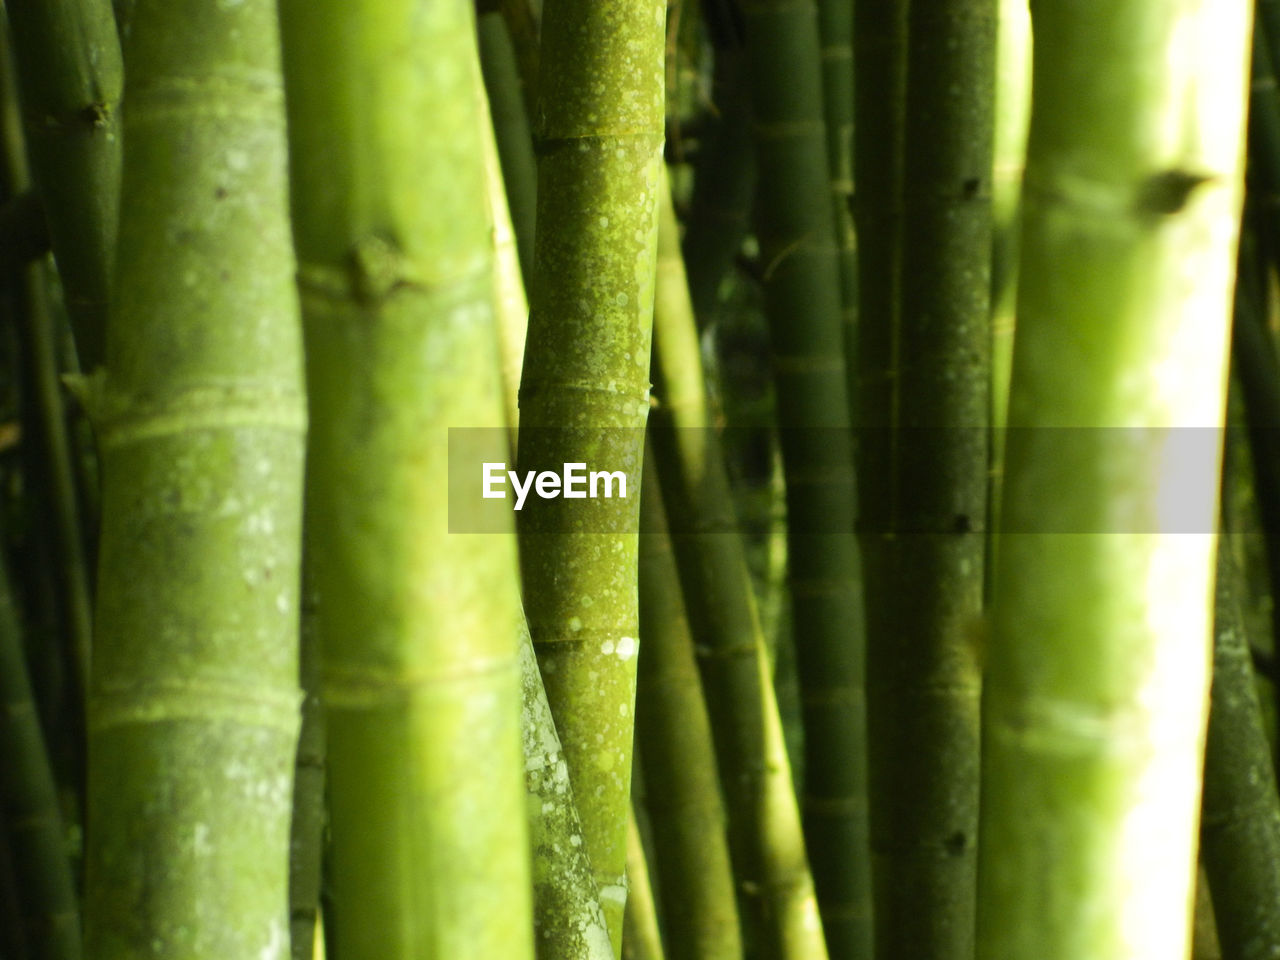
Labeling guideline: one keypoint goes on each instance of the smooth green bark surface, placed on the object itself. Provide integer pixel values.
(71, 76)
(1093, 710)
(417, 626)
(193, 710)
(584, 391)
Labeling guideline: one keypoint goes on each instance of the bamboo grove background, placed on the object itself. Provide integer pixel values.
(941, 626)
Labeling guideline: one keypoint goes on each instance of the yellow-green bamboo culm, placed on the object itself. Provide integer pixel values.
(641, 938)
(418, 626)
(1095, 682)
(193, 709)
(584, 390)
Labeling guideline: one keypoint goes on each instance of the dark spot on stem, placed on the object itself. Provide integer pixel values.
(220, 193)
(1167, 192)
(95, 114)
(956, 843)
(969, 189)
(962, 524)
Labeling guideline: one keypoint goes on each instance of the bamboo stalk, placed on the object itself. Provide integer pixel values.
(568, 920)
(928, 583)
(777, 899)
(1094, 699)
(599, 130)
(835, 32)
(803, 302)
(71, 76)
(1240, 812)
(32, 819)
(1012, 112)
(677, 755)
(512, 133)
(193, 710)
(723, 183)
(417, 626)
(306, 832)
(641, 939)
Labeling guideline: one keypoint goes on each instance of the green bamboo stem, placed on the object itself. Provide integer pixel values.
(1012, 112)
(12, 941)
(1204, 931)
(723, 183)
(803, 303)
(193, 710)
(523, 29)
(880, 58)
(512, 133)
(1094, 700)
(33, 822)
(766, 844)
(880, 84)
(568, 921)
(1240, 812)
(511, 308)
(599, 131)
(417, 626)
(70, 75)
(928, 566)
(36, 333)
(835, 33)
(673, 732)
(641, 939)
(306, 833)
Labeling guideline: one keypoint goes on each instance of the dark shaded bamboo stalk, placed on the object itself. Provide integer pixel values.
(777, 899)
(31, 818)
(1240, 809)
(71, 75)
(926, 568)
(835, 32)
(795, 224)
(39, 350)
(723, 184)
(691, 853)
(584, 390)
